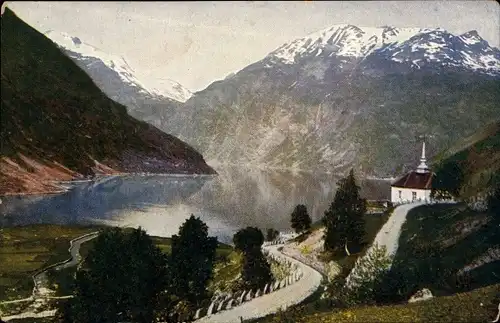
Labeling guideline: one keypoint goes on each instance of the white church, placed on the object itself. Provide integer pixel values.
(415, 185)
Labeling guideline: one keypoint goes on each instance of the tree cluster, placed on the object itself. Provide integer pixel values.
(344, 220)
(256, 272)
(301, 221)
(126, 278)
(124, 275)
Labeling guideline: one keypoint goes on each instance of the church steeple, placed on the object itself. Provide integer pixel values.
(423, 168)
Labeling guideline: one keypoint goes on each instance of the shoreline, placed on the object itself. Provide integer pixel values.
(33, 193)
(99, 177)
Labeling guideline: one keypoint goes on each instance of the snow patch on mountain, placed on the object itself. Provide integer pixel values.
(159, 87)
(171, 89)
(471, 38)
(345, 40)
(416, 46)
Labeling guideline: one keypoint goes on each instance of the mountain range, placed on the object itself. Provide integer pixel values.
(58, 125)
(95, 61)
(341, 97)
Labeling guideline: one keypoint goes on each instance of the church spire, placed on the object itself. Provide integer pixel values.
(423, 168)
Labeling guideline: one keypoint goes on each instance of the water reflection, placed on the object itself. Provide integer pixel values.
(99, 200)
(236, 198)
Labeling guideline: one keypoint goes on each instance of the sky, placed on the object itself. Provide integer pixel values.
(197, 43)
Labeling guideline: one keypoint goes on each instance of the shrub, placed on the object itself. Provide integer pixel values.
(271, 234)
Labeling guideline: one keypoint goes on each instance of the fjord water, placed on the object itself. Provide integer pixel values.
(235, 198)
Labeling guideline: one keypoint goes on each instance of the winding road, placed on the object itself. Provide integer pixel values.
(40, 280)
(271, 303)
(390, 232)
(388, 236)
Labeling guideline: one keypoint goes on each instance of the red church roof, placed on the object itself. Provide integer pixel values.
(414, 180)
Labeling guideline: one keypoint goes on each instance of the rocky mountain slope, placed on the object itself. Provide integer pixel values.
(112, 74)
(57, 125)
(342, 97)
(348, 96)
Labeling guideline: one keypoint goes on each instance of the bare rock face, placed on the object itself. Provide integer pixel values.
(317, 105)
(421, 295)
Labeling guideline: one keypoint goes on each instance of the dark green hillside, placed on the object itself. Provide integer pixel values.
(51, 110)
(476, 157)
(437, 242)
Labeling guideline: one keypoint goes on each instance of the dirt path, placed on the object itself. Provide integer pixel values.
(271, 303)
(41, 291)
(388, 235)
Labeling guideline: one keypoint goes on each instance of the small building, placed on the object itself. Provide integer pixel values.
(415, 185)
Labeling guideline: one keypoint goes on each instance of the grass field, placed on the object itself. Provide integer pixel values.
(462, 307)
(227, 272)
(165, 244)
(26, 249)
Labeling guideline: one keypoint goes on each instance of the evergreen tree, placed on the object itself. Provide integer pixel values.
(248, 239)
(344, 220)
(192, 258)
(256, 271)
(301, 221)
(368, 275)
(123, 277)
(335, 229)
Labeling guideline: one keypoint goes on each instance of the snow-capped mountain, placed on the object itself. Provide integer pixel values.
(341, 97)
(343, 40)
(414, 46)
(102, 67)
(344, 97)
